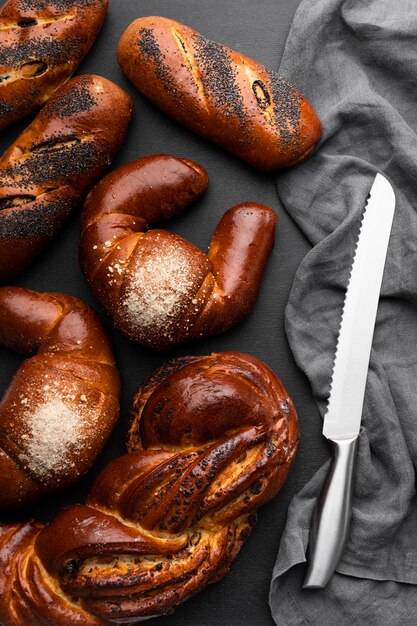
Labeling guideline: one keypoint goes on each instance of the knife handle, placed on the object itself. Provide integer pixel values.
(331, 519)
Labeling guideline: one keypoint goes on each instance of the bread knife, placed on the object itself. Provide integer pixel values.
(331, 518)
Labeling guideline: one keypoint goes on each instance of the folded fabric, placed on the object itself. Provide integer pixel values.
(356, 62)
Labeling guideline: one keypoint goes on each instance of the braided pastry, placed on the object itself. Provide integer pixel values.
(42, 42)
(218, 93)
(52, 165)
(62, 403)
(212, 438)
(159, 289)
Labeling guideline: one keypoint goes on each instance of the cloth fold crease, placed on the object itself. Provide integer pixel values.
(355, 60)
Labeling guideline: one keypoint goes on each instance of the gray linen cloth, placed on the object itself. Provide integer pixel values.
(356, 60)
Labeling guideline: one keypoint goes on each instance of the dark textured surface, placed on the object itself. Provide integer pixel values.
(221, 80)
(43, 221)
(29, 51)
(257, 30)
(59, 5)
(286, 110)
(69, 158)
(78, 100)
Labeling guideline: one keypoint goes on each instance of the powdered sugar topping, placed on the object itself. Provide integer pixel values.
(54, 433)
(158, 288)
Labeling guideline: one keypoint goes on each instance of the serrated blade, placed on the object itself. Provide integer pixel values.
(351, 364)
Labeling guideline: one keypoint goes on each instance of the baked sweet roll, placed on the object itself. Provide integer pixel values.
(160, 289)
(218, 93)
(212, 438)
(47, 172)
(62, 403)
(42, 42)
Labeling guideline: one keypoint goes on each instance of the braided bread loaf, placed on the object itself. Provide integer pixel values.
(159, 289)
(218, 93)
(212, 438)
(51, 166)
(62, 403)
(42, 42)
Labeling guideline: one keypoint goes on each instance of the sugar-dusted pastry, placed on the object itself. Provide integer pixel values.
(159, 289)
(212, 439)
(62, 402)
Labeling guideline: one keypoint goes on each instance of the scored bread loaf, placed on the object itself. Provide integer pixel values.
(42, 42)
(212, 439)
(49, 169)
(62, 403)
(218, 93)
(159, 289)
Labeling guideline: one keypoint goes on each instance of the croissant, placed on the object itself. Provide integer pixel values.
(159, 289)
(211, 439)
(47, 172)
(41, 45)
(62, 403)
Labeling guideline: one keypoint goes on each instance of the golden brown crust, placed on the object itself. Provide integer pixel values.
(212, 438)
(62, 403)
(160, 289)
(52, 165)
(218, 93)
(42, 42)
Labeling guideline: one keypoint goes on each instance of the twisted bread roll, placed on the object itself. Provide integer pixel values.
(159, 289)
(51, 166)
(62, 403)
(212, 439)
(41, 45)
(219, 93)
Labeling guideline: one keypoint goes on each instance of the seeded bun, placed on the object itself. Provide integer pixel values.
(49, 169)
(42, 42)
(218, 93)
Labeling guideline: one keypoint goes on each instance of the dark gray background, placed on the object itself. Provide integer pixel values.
(258, 30)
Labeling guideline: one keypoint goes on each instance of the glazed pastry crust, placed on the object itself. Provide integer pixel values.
(218, 93)
(211, 439)
(47, 172)
(42, 42)
(62, 403)
(159, 289)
